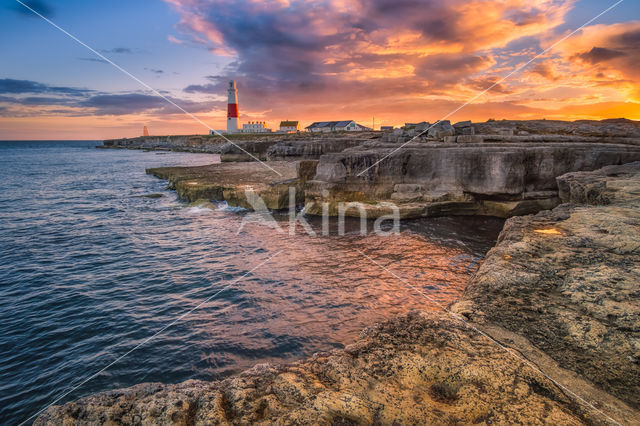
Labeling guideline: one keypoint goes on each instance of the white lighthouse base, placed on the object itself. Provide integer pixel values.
(232, 125)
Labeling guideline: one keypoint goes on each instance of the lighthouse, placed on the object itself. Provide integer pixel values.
(232, 108)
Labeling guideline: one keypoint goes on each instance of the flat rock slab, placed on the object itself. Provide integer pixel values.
(310, 149)
(605, 128)
(233, 182)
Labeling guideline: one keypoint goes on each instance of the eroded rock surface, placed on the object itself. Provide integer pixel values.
(312, 149)
(569, 279)
(292, 146)
(498, 179)
(255, 143)
(235, 183)
(614, 128)
(415, 369)
(523, 131)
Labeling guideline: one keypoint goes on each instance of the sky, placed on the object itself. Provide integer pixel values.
(320, 60)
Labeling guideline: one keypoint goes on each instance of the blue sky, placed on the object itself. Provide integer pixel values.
(138, 29)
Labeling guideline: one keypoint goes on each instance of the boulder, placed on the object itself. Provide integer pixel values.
(464, 128)
(465, 131)
(421, 127)
(441, 129)
(461, 124)
(505, 132)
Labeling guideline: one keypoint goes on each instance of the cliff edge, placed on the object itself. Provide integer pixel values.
(569, 279)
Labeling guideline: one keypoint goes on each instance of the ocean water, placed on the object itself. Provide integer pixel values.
(89, 269)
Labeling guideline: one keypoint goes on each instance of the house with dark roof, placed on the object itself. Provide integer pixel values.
(336, 126)
(289, 126)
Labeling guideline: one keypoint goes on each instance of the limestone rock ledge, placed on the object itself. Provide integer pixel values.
(420, 368)
(187, 143)
(432, 179)
(569, 279)
(236, 183)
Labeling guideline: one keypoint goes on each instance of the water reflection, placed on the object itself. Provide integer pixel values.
(88, 270)
(320, 292)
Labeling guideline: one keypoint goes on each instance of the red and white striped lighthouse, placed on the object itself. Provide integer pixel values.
(232, 108)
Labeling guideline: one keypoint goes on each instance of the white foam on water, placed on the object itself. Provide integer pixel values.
(223, 206)
(196, 210)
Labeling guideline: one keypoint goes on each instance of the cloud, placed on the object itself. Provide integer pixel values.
(137, 103)
(606, 55)
(400, 60)
(290, 52)
(12, 86)
(43, 100)
(444, 71)
(599, 54)
(42, 7)
(102, 61)
(489, 84)
(123, 104)
(300, 38)
(543, 69)
(204, 88)
(30, 98)
(119, 50)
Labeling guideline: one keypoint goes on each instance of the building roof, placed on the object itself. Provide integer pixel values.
(323, 124)
(342, 123)
(288, 124)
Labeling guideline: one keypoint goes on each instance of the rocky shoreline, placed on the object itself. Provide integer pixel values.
(547, 331)
(493, 169)
(235, 182)
(248, 147)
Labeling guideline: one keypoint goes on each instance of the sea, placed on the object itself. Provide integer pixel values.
(103, 287)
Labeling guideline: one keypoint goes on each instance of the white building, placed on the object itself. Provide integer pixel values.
(289, 127)
(255, 127)
(336, 126)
